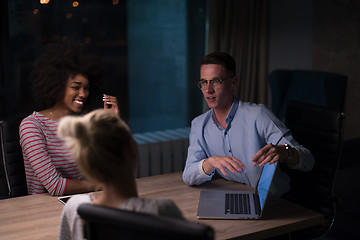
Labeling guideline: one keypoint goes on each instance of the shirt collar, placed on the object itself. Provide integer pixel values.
(232, 112)
(230, 115)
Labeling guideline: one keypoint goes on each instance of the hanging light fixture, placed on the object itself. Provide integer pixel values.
(75, 4)
(44, 1)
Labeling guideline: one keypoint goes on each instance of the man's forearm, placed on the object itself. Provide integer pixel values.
(207, 167)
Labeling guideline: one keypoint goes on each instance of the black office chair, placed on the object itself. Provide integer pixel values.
(111, 223)
(319, 129)
(329, 90)
(326, 89)
(12, 158)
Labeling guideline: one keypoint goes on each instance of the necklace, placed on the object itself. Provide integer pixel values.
(52, 116)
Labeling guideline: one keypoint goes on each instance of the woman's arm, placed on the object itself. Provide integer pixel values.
(79, 186)
(44, 169)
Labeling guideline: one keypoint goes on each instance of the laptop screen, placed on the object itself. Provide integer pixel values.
(265, 182)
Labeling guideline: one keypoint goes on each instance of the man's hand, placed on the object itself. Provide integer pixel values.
(271, 154)
(222, 162)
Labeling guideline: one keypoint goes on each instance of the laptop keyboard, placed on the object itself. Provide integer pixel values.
(237, 203)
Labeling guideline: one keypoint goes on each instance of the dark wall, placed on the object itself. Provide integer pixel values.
(336, 47)
(319, 35)
(290, 35)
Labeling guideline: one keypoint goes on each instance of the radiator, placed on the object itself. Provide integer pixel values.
(162, 151)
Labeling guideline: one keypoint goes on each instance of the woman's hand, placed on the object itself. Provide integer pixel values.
(110, 102)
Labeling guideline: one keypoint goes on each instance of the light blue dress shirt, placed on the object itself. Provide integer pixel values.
(249, 128)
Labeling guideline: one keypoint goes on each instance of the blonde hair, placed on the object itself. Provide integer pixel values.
(102, 145)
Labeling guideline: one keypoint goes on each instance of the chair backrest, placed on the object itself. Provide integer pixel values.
(319, 129)
(314, 87)
(12, 158)
(111, 223)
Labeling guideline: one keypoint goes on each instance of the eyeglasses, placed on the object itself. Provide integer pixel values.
(215, 82)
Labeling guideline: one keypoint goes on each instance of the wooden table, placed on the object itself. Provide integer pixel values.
(38, 216)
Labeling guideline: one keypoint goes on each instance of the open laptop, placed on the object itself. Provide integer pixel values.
(218, 204)
(64, 199)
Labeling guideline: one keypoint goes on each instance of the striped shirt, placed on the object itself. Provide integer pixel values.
(48, 163)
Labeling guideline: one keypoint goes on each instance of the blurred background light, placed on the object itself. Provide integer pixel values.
(75, 4)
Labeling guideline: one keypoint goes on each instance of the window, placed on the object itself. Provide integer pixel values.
(151, 49)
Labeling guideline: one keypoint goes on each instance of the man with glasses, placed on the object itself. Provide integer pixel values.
(236, 139)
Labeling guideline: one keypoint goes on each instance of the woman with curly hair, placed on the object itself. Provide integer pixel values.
(106, 153)
(63, 78)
